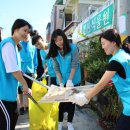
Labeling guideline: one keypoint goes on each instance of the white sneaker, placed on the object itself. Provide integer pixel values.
(70, 126)
(60, 125)
(65, 116)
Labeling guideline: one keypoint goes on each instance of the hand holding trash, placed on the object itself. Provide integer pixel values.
(69, 83)
(52, 88)
(79, 99)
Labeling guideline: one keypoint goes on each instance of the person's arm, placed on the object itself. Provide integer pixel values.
(74, 65)
(18, 75)
(101, 84)
(44, 64)
(11, 66)
(112, 68)
(71, 74)
(75, 62)
(59, 78)
(84, 98)
(45, 68)
(57, 70)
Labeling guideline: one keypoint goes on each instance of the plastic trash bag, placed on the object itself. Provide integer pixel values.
(47, 120)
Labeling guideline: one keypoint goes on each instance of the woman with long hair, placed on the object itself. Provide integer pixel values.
(66, 64)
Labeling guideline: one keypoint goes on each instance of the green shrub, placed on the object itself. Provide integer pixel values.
(96, 61)
(95, 70)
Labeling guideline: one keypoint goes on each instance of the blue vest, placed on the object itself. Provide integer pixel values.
(123, 85)
(9, 84)
(65, 66)
(28, 57)
(49, 63)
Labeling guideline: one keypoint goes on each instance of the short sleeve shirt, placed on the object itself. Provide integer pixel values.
(9, 58)
(116, 66)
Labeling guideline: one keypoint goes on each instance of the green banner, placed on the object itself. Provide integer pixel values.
(99, 21)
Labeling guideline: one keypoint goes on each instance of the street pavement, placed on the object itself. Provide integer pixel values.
(84, 119)
(23, 122)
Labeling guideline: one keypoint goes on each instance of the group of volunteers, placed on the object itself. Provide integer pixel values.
(26, 49)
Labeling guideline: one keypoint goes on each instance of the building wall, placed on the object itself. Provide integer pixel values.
(82, 10)
(57, 17)
(48, 33)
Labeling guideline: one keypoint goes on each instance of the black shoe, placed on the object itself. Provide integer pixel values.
(22, 111)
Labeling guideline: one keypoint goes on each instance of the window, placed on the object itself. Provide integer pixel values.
(61, 14)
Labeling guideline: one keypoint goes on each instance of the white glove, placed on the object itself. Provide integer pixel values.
(61, 85)
(52, 88)
(69, 83)
(34, 75)
(55, 88)
(79, 99)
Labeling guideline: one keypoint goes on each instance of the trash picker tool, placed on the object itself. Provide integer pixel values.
(42, 77)
(35, 102)
(35, 80)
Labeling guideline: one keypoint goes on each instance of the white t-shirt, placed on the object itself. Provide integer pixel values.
(9, 58)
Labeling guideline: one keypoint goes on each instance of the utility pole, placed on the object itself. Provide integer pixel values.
(123, 16)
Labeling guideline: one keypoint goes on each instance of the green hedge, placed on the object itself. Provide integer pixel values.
(95, 62)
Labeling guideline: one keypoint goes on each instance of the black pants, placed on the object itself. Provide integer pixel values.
(67, 107)
(52, 80)
(123, 123)
(40, 72)
(29, 83)
(8, 115)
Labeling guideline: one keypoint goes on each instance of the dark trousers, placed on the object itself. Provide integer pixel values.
(67, 107)
(40, 72)
(29, 83)
(8, 115)
(52, 80)
(123, 123)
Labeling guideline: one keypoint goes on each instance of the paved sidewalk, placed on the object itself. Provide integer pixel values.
(84, 119)
(23, 123)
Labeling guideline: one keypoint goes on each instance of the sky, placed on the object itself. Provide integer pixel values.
(36, 12)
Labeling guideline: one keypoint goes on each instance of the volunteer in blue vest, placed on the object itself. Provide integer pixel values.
(40, 68)
(10, 74)
(67, 67)
(40, 44)
(28, 56)
(119, 71)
